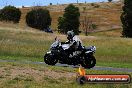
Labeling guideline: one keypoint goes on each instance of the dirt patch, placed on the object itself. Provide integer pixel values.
(26, 73)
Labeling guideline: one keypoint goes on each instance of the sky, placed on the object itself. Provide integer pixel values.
(19, 3)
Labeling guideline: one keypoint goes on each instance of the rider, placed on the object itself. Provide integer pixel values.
(73, 41)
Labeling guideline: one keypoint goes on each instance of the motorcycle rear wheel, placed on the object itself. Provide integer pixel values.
(50, 59)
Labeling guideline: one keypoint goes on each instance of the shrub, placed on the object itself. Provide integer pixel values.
(10, 13)
(93, 26)
(96, 6)
(92, 4)
(38, 18)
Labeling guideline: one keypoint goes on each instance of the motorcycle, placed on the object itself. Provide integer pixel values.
(60, 53)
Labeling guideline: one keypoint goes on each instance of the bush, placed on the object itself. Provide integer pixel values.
(10, 13)
(96, 6)
(38, 18)
(93, 26)
(92, 4)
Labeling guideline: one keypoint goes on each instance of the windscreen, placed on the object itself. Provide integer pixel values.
(55, 44)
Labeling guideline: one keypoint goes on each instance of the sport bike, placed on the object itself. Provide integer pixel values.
(59, 53)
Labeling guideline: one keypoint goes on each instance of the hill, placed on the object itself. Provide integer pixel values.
(104, 15)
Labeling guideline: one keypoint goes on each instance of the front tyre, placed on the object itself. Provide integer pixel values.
(50, 59)
(89, 62)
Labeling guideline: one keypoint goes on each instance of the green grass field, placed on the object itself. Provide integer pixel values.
(23, 45)
(14, 75)
(31, 45)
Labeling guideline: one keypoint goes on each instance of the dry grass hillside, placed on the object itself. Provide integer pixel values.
(105, 15)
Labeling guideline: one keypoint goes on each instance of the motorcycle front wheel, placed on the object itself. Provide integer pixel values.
(50, 59)
(89, 62)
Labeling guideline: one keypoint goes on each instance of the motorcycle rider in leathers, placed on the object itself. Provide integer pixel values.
(74, 42)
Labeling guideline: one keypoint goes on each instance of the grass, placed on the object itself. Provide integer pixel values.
(64, 77)
(29, 45)
(109, 33)
(117, 65)
(17, 46)
(112, 51)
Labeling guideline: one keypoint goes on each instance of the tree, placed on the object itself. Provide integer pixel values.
(87, 25)
(38, 18)
(10, 13)
(70, 20)
(126, 18)
(50, 3)
(109, 0)
(61, 24)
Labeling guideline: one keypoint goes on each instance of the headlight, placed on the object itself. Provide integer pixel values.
(93, 48)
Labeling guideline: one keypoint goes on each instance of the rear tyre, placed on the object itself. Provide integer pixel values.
(89, 62)
(50, 59)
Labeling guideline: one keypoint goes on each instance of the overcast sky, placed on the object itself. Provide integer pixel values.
(19, 3)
